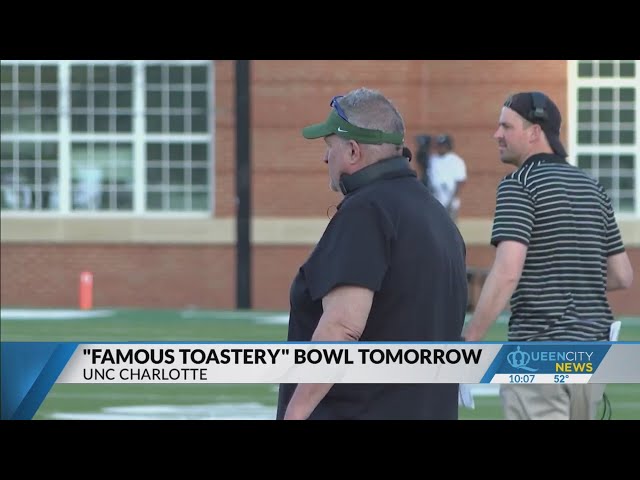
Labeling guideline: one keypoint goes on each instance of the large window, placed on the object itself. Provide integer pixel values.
(107, 136)
(605, 127)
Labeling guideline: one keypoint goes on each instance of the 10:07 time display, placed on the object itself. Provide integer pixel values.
(515, 378)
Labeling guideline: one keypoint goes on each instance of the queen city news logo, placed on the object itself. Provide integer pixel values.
(542, 359)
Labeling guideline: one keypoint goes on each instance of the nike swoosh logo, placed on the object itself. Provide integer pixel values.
(341, 130)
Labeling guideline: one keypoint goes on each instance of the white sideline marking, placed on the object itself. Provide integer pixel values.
(264, 318)
(273, 319)
(40, 314)
(219, 411)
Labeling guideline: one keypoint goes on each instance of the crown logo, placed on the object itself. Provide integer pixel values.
(519, 359)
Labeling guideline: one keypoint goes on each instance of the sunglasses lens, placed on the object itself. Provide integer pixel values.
(334, 104)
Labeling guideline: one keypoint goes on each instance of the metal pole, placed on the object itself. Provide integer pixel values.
(243, 185)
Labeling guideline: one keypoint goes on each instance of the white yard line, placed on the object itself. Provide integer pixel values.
(44, 314)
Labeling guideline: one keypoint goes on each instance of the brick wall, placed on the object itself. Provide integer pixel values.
(289, 179)
(168, 276)
(462, 98)
(154, 276)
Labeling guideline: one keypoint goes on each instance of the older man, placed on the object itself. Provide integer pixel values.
(390, 266)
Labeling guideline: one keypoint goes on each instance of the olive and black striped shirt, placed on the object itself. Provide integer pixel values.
(565, 218)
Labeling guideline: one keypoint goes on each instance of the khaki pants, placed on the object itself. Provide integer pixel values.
(551, 402)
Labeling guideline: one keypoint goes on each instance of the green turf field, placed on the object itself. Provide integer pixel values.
(206, 401)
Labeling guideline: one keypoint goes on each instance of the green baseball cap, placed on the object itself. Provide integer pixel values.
(335, 124)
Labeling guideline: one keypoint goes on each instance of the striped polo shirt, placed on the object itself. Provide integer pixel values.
(565, 218)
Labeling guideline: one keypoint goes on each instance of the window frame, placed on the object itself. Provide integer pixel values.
(574, 83)
(139, 137)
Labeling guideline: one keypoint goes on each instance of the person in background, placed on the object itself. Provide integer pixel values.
(423, 154)
(447, 174)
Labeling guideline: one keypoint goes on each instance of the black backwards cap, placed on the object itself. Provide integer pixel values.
(538, 108)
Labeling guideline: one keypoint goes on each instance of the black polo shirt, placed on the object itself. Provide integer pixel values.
(392, 236)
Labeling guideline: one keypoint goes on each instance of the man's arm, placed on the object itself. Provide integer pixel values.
(497, 289)
(460, 175)
(457, 188)
(619, 272)
(345, 313)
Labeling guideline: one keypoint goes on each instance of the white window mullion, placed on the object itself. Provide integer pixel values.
(64, 145)
(616, 149)
(636, 165)
(188, 77)
(139, 163)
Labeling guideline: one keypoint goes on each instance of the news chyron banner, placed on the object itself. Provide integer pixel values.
(30, 369)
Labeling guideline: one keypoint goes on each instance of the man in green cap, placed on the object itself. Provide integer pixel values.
(390, 267)
(383, 138)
